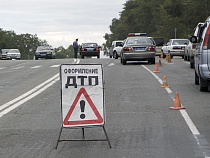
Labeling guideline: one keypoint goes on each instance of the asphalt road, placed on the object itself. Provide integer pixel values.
(139, 121)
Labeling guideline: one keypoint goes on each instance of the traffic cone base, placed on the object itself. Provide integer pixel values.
(156, 69)
(177, 104)
(164, 85)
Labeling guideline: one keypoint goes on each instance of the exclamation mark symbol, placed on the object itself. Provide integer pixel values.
(82, 106)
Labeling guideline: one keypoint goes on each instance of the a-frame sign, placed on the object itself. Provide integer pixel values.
(82, 97)
(82, 116)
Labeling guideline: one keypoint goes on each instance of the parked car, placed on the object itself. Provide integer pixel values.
(159, 44)
(115, 49)
(175, 47)
(46, 52)
(13, 54)
(3, 54)
(202, 56)
(90, 49)
(138, 47)
(197, 33)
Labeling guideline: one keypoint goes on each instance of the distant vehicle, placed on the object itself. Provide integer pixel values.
(3, 54)
(159, 44)
(175, 47)
(46, 52)
(90, 49)
(202, 56)
(115, 49)
(138, 47)
(10, 54)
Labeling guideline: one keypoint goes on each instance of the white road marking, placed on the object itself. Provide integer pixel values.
(55, 66)
(35, 67)
(1, 68)
(16, 68)
(27, 96)
(111, 64)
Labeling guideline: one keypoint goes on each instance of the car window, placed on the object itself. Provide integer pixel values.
(159, 41)
(43, 48)
(180, 42)
(118, 43)
(139, 41)
(14, 51)
(90, 44)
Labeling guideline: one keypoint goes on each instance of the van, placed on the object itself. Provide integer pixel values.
(202, 56)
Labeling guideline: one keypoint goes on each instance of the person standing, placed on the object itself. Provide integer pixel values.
(75, 46)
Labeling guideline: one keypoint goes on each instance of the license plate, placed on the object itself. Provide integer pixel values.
(139, 48)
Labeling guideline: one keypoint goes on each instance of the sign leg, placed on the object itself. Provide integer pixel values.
(107, 138)
(83, 133)
(59, 138)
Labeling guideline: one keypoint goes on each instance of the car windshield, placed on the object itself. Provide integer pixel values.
(43, 48)
(118, 43)
(139, 40)
(14, 51)
(180, 42)
(159, 41)
(90, 44)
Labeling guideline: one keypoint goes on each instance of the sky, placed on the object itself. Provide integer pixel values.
(60, 22)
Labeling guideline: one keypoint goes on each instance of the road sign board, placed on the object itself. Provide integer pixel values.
(82, 95)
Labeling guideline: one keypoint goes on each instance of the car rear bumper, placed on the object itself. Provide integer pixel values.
(177, 53)
(139, 56)
(90, 53)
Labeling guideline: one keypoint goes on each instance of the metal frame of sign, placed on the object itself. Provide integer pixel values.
(82, 91)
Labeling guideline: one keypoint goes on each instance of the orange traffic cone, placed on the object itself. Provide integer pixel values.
(160, 63)
(161, 56)
(177, 104)
(156, 69)
(169, 58)
(164, 85)
(166, 56)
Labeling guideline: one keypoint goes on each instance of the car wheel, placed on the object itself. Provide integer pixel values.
(110, 55)
(185, 57)
(124, 62)
(82, 56)
(153, 61)
(98, 56)
(36, 58)
(196, 79)
(203, 86)
(191, 65)
(115, 55)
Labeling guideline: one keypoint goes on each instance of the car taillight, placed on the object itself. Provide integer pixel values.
(83, 49)
(97, 49)
(127, 49)
(150, 48)
(206, 39)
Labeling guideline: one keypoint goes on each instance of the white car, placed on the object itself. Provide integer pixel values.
(175, 47)
(13, 54)
(115, 49)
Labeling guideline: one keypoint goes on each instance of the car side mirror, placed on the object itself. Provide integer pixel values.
(193, 39)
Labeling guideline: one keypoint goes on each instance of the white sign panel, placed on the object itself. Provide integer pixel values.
(82, 91)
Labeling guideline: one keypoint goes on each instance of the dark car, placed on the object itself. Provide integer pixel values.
(90, 49)
(46, 52)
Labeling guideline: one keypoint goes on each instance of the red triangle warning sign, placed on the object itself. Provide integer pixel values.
(82, 121)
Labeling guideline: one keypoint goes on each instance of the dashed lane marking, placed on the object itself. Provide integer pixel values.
(35, 67)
